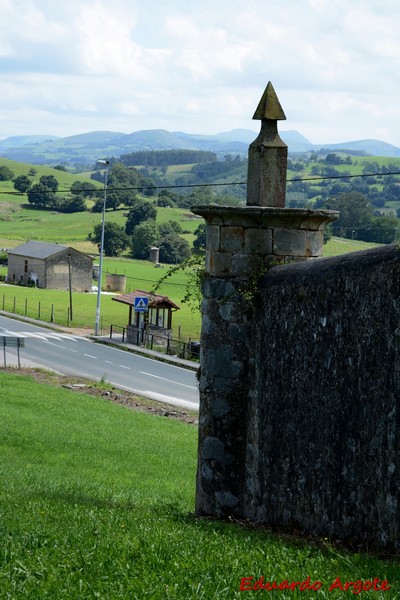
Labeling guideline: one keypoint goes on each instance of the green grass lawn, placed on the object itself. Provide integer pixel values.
(337, 246)
(96, 502)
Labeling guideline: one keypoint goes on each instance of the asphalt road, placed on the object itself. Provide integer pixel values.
(75, 355)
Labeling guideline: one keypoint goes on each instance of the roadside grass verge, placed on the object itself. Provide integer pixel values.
(96, 502)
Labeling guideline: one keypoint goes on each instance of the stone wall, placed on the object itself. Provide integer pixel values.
(19, 271)
(57, 271)
(323, 413)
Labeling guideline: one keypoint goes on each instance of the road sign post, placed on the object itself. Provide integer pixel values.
(12, 342)
(141, 304)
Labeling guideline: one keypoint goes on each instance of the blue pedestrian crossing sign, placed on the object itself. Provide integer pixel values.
(141, 304)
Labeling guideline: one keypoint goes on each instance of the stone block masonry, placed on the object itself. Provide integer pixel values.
(242, 241)
(323, 420)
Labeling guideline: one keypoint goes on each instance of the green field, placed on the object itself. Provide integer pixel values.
(337, 246)
(139, 275)
(354, 169)
(37, 303)
(97, 501)
(19, 222)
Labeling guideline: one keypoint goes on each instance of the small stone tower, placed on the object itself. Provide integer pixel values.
(242, 243)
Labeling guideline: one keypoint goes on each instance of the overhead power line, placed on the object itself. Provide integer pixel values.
(206, 185)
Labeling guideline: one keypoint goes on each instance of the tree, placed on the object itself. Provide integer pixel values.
(115, 238)
(141, 210)
(98, 205)
(382, 230)
(72, 205)
(199, 243)
(121, 194)
(6, 174)
(49, 182)
(113, 198)
(149, 189)
(169, 227)
(355, 213)
(327, 235)
(333, 159)
(173, 249)
(165, 201)
(145, 235)
(22, 183)
(120, 175)
(83, 188)
(166, 198)
(39, 195)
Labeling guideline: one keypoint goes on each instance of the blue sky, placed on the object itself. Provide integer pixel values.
(74, 66)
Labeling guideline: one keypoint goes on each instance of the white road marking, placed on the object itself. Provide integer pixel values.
(41, 336)
(124, 367)
(53, 344)
(90, 356)
(31, 335)
(192, 387)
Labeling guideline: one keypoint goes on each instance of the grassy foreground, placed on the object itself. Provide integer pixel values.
(95, 502)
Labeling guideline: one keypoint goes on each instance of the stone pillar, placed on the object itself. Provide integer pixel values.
(241, 244)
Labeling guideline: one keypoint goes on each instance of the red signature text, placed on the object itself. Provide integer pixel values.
(249, 584)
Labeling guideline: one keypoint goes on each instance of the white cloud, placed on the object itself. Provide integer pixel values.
(80, 65)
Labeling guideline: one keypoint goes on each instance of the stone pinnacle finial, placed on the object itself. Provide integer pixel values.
(266, 177)
(269, 106)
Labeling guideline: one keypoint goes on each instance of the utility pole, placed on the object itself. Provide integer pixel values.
(97, 324)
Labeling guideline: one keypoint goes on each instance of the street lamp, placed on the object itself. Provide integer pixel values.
(106, 164)
(70, 285)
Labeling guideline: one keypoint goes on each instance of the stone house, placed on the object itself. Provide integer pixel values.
(50, 266)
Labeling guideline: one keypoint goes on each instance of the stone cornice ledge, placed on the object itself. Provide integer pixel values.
(265, 217)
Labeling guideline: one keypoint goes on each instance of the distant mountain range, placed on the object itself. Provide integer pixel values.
(86, 148)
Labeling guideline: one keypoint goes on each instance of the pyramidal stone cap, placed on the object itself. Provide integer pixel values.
(269, 106)
(267, 164)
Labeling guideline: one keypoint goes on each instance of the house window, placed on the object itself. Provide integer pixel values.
(26, 267)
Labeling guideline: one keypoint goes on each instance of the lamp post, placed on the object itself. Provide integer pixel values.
(70, 285)
(105, 163)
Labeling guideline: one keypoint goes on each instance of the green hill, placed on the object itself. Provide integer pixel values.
(86, 148)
